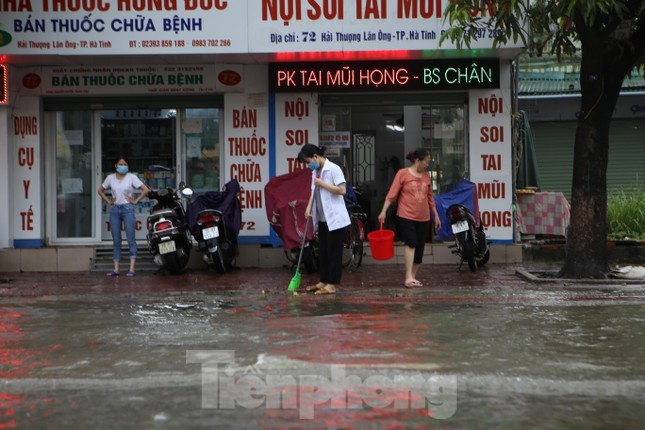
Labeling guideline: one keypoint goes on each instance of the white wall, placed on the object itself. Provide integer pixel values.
(5, 196)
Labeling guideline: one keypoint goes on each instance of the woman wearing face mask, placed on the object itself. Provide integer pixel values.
(412, 188)
(330, 216)
(122, 185)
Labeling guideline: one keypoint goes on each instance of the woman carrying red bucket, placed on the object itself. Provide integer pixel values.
(412, 188)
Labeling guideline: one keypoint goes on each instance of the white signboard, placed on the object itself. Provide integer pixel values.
(132, 79)
(346, 26)
(335, 139)
(296, 119)
(491, 161)
(129, 27)
(104, 27)
(246, 155)
(24, 133)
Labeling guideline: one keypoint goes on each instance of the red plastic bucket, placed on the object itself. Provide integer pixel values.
(381, 243)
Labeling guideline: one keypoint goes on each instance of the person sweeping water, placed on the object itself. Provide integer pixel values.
(330, 218)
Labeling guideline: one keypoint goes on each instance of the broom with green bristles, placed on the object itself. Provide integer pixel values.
(295, 281)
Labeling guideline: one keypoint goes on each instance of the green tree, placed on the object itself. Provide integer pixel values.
(609, 36)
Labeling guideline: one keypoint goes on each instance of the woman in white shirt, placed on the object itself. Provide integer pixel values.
(330, 216)
(122, 184)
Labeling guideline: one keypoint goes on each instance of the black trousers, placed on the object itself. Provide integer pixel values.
(330, 248)
(413, 234)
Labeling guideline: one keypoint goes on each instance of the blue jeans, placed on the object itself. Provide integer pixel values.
(123, 214)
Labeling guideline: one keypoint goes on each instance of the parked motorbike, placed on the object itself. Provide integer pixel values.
(469, 236)
(168, 236)
(214, 219)
(286, 200)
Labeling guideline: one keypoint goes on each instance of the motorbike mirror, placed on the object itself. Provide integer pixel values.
(187, 192)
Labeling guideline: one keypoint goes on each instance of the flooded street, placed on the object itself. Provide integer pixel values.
(482, 351)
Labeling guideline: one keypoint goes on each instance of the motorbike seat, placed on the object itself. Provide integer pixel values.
(207, 211)
(163, 213)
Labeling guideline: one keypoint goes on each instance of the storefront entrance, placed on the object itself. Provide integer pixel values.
(163, 146)
(147, 139)
(379, 136)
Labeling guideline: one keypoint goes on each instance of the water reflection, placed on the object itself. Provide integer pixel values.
(530, 361)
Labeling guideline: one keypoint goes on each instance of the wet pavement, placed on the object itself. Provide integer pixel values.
(483, 350)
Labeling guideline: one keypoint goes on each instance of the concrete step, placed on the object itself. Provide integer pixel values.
(102, 260)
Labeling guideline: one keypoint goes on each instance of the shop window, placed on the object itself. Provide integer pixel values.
(201, 146)
(145, 137)
(443, 133)
(74, 187)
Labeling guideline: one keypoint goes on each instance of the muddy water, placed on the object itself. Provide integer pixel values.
(544, 359)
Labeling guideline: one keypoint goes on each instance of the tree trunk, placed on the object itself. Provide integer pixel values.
(587, 240)
(600, 87)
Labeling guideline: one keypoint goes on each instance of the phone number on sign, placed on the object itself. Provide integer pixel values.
(156, 43)
(211, 42)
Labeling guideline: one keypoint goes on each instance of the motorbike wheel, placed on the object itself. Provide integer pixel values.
(230, 265)
(357, 247)
(468, 253)
(236, 253)
(173, 264)
(310, 259)
(353, 246)
(472, 264)
(484, 259)
(230, 251)
(347, 247)
(292, 255)
(218, 261)
(358, 255)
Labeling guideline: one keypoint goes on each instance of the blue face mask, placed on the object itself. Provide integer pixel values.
(122, 169)
(313, 165)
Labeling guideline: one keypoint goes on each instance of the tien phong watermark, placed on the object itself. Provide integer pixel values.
(225, 386)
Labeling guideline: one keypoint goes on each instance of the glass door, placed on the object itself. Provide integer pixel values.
(85, 144)
(443, 130)
(200, 134)
(74, 186)
(146, 138)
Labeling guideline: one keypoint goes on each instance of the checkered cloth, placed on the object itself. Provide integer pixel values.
(543, 213)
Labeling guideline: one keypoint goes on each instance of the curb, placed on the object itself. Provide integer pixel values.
(535, 278)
